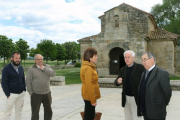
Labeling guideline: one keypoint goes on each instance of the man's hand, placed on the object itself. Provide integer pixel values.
(7, 97)
(119, 80)
(94, 104)
(41, 67)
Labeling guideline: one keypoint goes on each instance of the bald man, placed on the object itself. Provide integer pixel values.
(38, 86)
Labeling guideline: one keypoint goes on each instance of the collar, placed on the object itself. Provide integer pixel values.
(88, 63)
(131, 65)
(37, 65)
(14, 66)
(151, 68)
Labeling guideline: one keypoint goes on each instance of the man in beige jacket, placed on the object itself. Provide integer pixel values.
(38, 86)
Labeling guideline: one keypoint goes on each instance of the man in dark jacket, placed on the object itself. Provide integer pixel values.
(13, 85)
(129, 76)
(154, 90)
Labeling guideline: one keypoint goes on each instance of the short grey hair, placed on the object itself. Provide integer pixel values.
(37, 55)
(132, 53)
(150, 55)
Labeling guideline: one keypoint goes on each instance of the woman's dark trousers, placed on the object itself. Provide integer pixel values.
(89, 111)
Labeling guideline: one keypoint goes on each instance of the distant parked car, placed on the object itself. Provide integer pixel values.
(71, 62)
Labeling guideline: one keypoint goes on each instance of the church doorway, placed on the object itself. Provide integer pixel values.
(116, 60)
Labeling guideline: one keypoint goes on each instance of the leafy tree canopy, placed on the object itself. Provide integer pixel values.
(23, 48)
(33, 52)
(167, 16)
(48, 49)
(60, 53)
(6, 47)
(71, 50)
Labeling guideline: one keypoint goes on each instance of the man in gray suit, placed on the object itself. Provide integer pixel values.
(154, 90)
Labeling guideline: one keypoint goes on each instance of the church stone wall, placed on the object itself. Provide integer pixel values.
(104, 48)
(84, 47)
(126, 27)
(177, 59)
(150, 25)
(164, 52)
(108, 29)
(131, 21)
(133, 24)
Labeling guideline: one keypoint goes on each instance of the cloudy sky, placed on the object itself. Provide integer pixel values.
(57, 20)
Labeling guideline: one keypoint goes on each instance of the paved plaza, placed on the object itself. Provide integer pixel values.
(67, 104)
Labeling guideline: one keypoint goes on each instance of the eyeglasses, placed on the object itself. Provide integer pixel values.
(144, 60)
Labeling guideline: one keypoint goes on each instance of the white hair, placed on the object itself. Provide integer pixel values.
(37, 55)
(132, 53)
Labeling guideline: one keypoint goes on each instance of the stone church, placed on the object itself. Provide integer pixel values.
(128, 28)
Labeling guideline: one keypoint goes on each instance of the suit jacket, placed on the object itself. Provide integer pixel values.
(157, 94)
(138, 69)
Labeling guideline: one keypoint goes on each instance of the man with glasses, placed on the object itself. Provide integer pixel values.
(129, 76)
(154, 90)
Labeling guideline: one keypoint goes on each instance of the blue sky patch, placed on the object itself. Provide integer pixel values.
(12, 23)
(7, 22)
(69, 1)
(76, 21)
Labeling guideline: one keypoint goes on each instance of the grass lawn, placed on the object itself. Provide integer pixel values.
(29, 63)
(174, 78)
(72, 75)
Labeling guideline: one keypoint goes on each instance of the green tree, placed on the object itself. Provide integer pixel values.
(6, 47)
(33, 52)
(48, 49)
(79, 51)
(11, 49)
(73, 51)
(167, 16)
(67, 48)
(22, 48)
(60, 53)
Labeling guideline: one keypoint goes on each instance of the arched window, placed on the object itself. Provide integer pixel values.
(116, 20)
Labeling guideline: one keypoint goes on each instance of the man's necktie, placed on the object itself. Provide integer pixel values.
(147, 72)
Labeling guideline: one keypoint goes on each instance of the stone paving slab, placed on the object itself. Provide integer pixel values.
(67, 104)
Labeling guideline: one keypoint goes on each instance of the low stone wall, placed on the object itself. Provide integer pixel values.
(54, 81)
(57, 81)
(175, 85)
(109, 83)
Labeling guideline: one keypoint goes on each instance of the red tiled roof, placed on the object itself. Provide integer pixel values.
(158, 35)
(167, 32)
(86, 39)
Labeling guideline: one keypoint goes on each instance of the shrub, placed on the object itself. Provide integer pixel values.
(78, 65)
